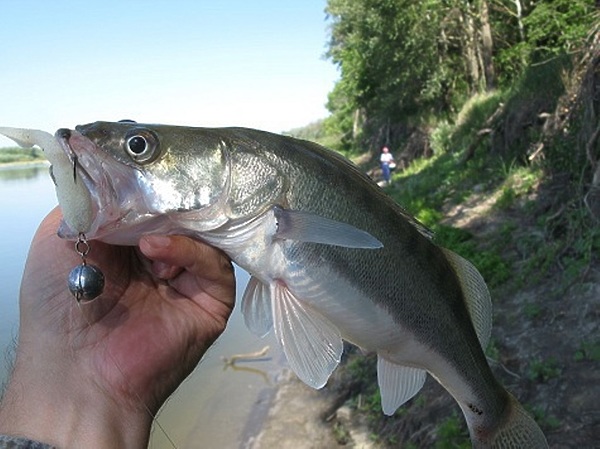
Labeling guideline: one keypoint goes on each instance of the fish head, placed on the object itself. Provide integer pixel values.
(139, 176)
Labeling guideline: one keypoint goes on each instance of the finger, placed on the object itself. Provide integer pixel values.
(159, 269)
(165, 271)
(208, 277)
(197, 257)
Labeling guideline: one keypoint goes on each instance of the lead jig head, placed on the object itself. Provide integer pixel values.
(86, 282)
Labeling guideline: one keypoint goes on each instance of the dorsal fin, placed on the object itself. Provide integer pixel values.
(423, 230)
(476, 295)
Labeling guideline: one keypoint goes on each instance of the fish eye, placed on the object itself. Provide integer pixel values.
(142, 145)
(137, 144)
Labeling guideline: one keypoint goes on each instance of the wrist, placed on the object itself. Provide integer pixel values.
(55, 402)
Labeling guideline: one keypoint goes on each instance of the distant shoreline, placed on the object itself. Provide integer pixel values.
(24, 164)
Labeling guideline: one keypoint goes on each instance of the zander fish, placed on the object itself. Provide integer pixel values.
(331, 257)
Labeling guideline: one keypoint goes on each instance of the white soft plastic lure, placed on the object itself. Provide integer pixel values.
(73, 197)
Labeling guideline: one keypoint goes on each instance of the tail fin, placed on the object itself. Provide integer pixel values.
(517, 430)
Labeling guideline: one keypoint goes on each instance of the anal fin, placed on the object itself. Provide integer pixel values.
(397, 383)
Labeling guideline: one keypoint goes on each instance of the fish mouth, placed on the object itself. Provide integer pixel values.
(88, 164)
(119, 213)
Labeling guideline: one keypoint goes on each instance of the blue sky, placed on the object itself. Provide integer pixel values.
(200, 63)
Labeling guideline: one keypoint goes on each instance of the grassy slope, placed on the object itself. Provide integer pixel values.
(524, 226)
(545, 345)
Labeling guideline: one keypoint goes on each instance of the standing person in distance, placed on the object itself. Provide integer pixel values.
(387, 163)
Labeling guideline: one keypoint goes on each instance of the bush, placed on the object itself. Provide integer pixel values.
(8, 155)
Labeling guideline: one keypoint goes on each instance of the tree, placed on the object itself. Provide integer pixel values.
(387, 52)
(403, 61)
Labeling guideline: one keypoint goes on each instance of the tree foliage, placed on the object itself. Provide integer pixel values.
(386, 50)
(403, 62)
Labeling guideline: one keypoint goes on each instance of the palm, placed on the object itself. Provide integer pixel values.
(143, 327)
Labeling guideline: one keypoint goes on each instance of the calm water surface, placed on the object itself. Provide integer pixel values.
(26, 196)
(213, 407)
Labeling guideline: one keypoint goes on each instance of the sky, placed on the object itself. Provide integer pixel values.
(257, 64)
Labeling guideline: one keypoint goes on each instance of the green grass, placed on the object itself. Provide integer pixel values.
(546, 421)
(588, 351)
(543, 370)
(569, 242)
(452, 434)
(519, 182)
(532, 310)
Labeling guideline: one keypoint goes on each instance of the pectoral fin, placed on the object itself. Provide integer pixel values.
(313, 346)
(256, 307)
(306, 227)
(397, 383)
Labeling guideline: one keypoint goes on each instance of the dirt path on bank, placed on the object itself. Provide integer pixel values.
(294, 419)
(300, 417)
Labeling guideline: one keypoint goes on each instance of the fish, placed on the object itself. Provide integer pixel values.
(331, 257)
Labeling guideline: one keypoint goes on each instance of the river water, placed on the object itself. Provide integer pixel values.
(216, 407)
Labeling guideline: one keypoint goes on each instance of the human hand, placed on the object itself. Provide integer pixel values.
(110, 364)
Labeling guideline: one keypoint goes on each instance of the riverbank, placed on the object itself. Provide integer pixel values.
(545, 352)
(293, 416)
(24, 164)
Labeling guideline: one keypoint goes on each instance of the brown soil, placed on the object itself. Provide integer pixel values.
(540, 335)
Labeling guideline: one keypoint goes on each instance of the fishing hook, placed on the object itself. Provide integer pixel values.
(75, 159)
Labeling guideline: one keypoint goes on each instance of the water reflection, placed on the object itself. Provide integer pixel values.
(23, 173)
(248, 369)
(212, 407)
(26, 196)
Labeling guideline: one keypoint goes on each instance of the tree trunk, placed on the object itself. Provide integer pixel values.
(357, 123)
(469, 43)
(487, 47)
(519, 8)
